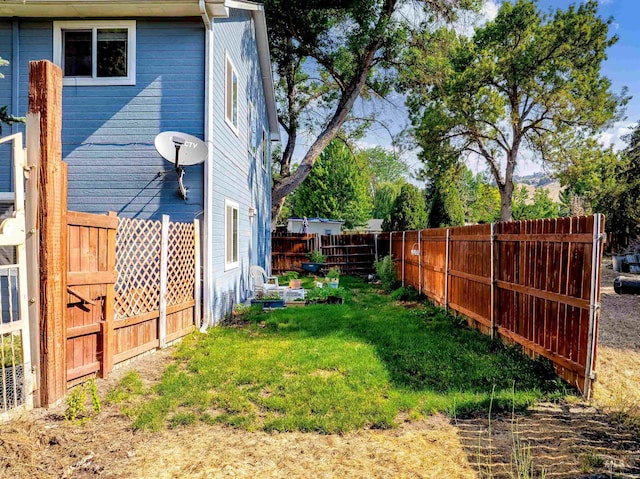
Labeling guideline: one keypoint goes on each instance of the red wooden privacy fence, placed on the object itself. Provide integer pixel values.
(535, 283)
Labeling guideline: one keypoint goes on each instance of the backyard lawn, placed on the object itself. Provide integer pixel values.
(336, 368)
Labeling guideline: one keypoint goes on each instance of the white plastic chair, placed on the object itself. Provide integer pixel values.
(263, 284)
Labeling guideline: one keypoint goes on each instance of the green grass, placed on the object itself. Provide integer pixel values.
(336, 368)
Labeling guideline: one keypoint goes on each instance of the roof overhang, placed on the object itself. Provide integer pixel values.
(109, 8)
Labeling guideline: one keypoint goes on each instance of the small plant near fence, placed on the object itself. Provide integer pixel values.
(387, 274)
(77, 401)
(316, 257)
(405, 293)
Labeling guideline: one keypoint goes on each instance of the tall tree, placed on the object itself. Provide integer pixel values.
(327, 55)
(384, 198)
(525, 80)
(6, 117)
(337, 188)
(409, 211)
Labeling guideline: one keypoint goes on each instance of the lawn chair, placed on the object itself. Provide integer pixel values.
(263, 284)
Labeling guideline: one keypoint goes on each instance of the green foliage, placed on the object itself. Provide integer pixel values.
(386, 271)
(383, 166)
(338, 369)
(77, 401)
(384, 198)
(289, 275)
(524, 79)
(409, 212)
(541, 206)
(336, 188)
(130, 385)
(331, 55)
(325, 293)
(405, 293)
(316, 257)
(333, 273)
(600, 180)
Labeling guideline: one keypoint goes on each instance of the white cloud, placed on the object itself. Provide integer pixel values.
(613, 136)
(469, 21)
(490, 9)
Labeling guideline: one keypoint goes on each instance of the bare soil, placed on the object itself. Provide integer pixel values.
(569, 440)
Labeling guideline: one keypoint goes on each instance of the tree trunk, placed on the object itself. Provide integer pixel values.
(506, 207)
(276, 208)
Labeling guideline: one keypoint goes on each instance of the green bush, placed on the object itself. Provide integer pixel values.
(387, 273)
(316, 257)
(288, 276)
(405, 293)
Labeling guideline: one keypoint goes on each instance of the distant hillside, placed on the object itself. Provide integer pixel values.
(540, 180)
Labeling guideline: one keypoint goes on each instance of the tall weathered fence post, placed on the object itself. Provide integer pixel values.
(164, 263)
(45, 111)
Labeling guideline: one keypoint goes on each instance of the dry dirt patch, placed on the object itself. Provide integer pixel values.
(618, 360)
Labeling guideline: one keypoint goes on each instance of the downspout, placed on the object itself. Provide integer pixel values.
(207, 284)
(15, 78)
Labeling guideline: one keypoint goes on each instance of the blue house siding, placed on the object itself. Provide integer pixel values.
(108, 131)
(6, 44)
(238, 176)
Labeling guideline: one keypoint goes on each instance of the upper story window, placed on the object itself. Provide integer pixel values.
(96, 53)
(231, 95)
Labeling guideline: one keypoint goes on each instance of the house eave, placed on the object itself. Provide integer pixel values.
(110, 8)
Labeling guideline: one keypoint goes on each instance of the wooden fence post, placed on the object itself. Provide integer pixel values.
(493, 281)
(419, 262)
(446, 274)
(375, 239)
(197, 293)
(164, 262)
(45, 103)
(403, 255)
(594, 305)
(109, 306)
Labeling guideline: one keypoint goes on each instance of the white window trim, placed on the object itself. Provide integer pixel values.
(235, 264)
(130, 25)
(229, 121)
(266, 157)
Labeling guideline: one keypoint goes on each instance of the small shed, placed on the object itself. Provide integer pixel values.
(322, 226)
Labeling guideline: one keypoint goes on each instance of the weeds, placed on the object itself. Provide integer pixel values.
(387, 273)
(77, 401)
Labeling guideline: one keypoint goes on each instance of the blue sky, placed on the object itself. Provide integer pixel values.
(622, 67)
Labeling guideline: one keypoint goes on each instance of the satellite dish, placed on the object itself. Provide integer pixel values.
(192, 150)
(182, 150)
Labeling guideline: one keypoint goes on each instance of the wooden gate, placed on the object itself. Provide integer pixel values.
(16, 383)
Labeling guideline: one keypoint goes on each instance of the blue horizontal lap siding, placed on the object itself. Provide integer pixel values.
(237, 175)
(168, 95)
(5, 99)
(108, 131)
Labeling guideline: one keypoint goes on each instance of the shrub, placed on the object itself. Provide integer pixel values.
(288, 276)
(316, 257)
(405, 293)
(387, 273)
(333, 273)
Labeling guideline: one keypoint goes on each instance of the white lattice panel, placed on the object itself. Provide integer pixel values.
(138, 265)
(181, 264)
